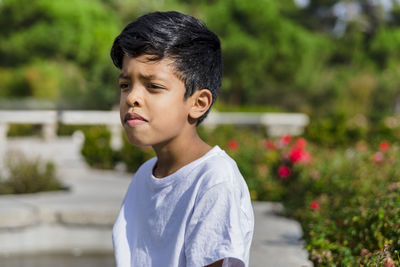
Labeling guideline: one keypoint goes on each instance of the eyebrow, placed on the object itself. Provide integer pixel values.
(142, 77)
(123, 76)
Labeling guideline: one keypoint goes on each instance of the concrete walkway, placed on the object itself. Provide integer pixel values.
(80, 220)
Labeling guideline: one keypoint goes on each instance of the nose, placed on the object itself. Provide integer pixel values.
(135, 97)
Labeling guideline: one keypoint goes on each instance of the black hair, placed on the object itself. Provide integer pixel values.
(195, 50)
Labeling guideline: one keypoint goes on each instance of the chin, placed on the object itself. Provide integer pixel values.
(136, 142)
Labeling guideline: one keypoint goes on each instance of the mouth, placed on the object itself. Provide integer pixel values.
(134, 119)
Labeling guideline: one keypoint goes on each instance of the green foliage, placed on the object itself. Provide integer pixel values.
(67, 53)
(77, 30)
(384, 48)
(338, 130)
(265, 54)
(96, 148)
(23, 130)
(28, 176)
(223, 107)
(276, 54)
(348, 203)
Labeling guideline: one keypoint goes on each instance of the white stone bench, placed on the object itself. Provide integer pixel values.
(46, 118)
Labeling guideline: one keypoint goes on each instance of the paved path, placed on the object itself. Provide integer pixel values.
(276, 240)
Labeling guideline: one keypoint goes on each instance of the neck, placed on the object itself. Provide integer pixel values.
(175, 154)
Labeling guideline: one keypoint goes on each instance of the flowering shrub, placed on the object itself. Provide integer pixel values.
(348, 202)
(347, 199)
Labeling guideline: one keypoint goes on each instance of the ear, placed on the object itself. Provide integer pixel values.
(201, 102)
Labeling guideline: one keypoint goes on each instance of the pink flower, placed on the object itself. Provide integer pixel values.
(233, 145)
(395, 186)
(284, 172)
(378, 157)
(389, 262)
(285, 140)
(301, 143)
(314, 205)
(365, 252)
(306, 157)
(315, 174)
(384, 146)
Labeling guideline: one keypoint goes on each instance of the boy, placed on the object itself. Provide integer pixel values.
(188, 206)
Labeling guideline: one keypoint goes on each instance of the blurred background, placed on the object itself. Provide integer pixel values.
(324, 58)
(337, 62)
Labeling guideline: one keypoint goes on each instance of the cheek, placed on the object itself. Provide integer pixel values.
(122, 108)
(121, 99)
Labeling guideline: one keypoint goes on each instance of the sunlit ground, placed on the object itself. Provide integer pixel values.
(65, 260)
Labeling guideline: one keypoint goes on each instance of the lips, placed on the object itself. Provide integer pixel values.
(134, 119)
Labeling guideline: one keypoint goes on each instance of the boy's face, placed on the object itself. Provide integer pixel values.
(153, 109)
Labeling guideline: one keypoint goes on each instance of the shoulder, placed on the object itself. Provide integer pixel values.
(219, 169)
(222, 221)
(220, 166)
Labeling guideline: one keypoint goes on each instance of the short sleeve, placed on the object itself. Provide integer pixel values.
(217, 228)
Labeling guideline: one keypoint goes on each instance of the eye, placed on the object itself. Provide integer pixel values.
(123, 85)
(154, 86)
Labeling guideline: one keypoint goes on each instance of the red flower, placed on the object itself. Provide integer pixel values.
(269, 144)
(384, 146)
(297, 154)
(378, 157)
(314, 205)
(233, 145)
(285, 140)
(284, 172)
(301, 143)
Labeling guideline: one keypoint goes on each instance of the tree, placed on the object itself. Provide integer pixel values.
(268, 58)
(63, 44)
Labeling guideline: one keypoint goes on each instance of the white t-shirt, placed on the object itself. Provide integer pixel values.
(198, 215)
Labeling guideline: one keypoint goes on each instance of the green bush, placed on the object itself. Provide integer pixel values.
(348, 202)
(23, 130)
(28, 176)
(337, 130)
(96, 148)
